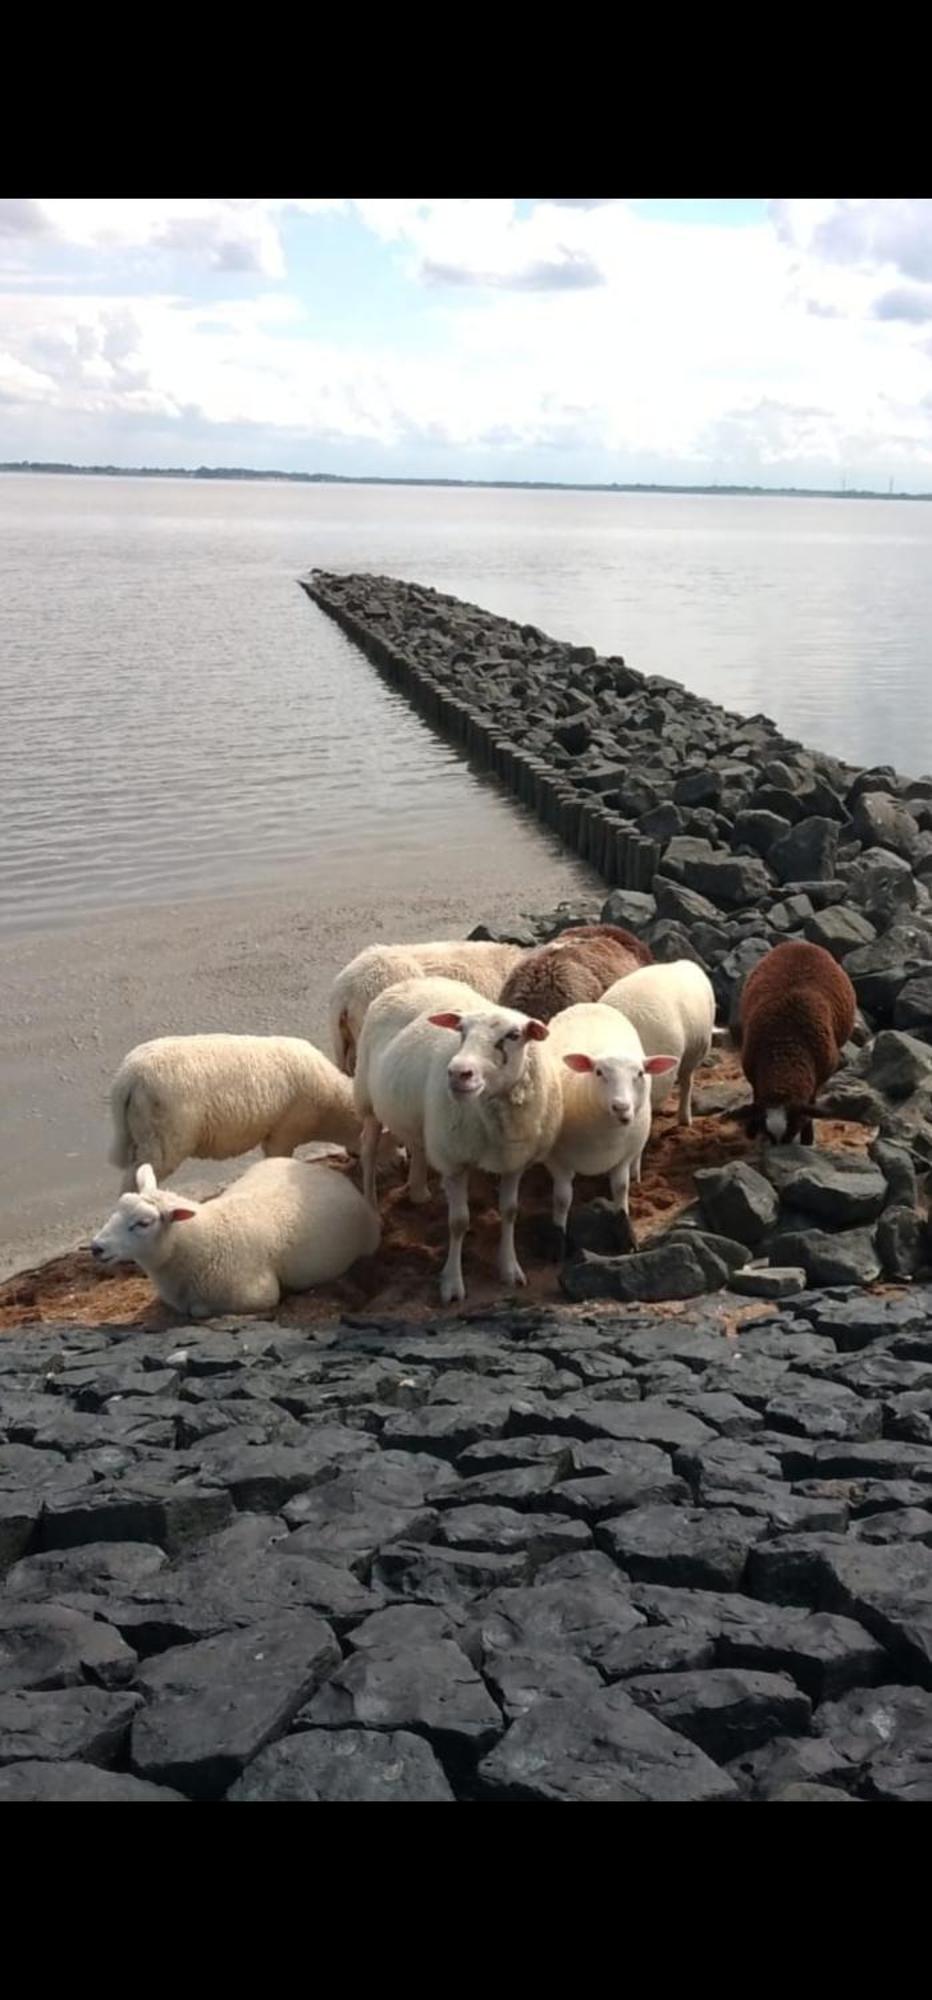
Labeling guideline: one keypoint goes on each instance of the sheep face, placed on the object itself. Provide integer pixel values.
(492, 1053)
(621, 1083)
(139, 1222)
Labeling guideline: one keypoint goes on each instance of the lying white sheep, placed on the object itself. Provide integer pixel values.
(482, 965)
(673, 1009)
(607, 1082)
(285, 1225)
(495, 1104)
(212, 1097)
(387, 1091)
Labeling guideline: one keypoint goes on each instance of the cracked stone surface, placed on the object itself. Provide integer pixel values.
(599, 1555)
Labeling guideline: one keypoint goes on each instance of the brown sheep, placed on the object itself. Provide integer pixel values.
(797, 1011)
(580, 965)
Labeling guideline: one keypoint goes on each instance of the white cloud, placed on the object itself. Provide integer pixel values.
(579, 337)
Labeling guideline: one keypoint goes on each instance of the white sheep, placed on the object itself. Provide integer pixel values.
(285, 1225)
(495, 1104)
(480, 964)
(388, 1093)
(212, 1097)
(607, 1081)
(673, 1009)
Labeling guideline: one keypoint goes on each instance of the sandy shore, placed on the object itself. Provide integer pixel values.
(73, 1000)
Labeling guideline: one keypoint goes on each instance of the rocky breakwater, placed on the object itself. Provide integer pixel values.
(717, 837)
(534, 1555)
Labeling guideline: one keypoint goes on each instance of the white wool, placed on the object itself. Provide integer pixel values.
(673, 1009)
(607, 1108)
(285, 1225)
(479, 963)
(502, 1117)
(776, 1123)
(396, 1041)
(213, 1097)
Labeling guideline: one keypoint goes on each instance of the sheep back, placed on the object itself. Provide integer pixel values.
(673, 1009)
(797, 1011)
(573, 969)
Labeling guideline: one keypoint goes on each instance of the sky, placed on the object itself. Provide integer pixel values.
(781, 342)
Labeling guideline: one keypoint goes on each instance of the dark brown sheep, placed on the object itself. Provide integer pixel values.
(797, 1011)
(580, 965)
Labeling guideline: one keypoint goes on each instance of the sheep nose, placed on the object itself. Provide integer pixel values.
(623, 1114)
(463, 1075)
(97, 1249)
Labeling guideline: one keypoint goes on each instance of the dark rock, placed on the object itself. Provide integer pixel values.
(598, 1747)
(445, 1576)
(847, 1257)
(737, 1201)
(50, 1646)
(630, 908)
(824, 1654)
(809, 1408)
(584, 1616)
(758, 828)
(87, 1723)
(213, 1706)
(93, 1570)
(503, 1530)
(883, 1739)
(839, 1188)
(351, 1517)
(807, 852)
(913, 1006)
(682, 905)
(838, 930)
(879, 821)
(898, 1172)
(879, 971)
(518, 1680)
(790, 913)
(897, 1063)
(769, 1281)
(433, 1691)
(694, 1547)
(139, 1508)
(725, 1710)
(801, 1793)
(58, 1783)
(601, 1228)
(672, 1272)
(345, 1765)
(902, 1243)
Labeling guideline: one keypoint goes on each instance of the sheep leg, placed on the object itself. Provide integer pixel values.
(619, 1182)
(562, 1203)
(417, 1188)
(509, 1268)
(456, 1189)
(685, 1116)
(369, 1146)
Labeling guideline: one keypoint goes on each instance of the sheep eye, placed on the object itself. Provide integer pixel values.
(513, 1035)
(145, 1222)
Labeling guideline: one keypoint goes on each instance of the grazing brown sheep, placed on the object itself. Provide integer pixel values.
(574, 968)
(797, 1011)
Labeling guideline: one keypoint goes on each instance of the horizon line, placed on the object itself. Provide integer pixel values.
(729, 488)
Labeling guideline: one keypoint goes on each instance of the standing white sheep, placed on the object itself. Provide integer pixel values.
(212, 1097)
(387, 1089)
(673, 1009)
(497, 1105)
(481, 964)
(285, 1225)
(607, 1081)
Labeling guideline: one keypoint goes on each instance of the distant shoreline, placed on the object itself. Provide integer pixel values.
(247, 474)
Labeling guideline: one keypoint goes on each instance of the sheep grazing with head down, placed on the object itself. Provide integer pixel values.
(213, 1097)
(284, 1226)
(606, 1080)
(388, 1080)
(797, 1011)
(478, 962)
(572, 969)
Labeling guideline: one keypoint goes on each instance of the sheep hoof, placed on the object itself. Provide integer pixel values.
(514, 1275)
(452, 1290)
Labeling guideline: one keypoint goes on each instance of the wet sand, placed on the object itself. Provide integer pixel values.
(75, 999)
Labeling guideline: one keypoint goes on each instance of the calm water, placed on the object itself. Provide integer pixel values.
(178, 718)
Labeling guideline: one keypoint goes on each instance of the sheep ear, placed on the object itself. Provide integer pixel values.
(535, 1031)
(146, 1182)
(445, 1020)
(582, 1064)
(659, 1065)
(181, 1214)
